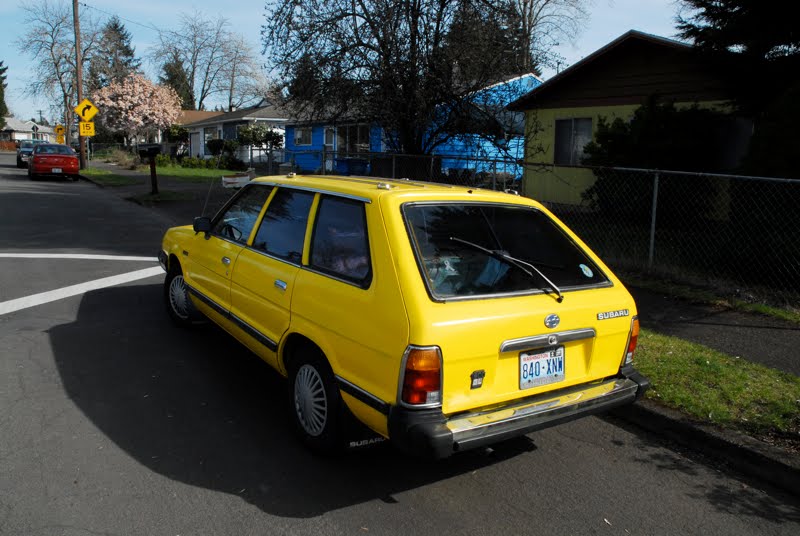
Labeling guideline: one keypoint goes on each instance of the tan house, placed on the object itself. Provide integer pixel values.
(562, 114)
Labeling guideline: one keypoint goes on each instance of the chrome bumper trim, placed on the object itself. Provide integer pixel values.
(548, 339)
(540, 411)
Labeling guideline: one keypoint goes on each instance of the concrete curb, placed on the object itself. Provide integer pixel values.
(744, 453)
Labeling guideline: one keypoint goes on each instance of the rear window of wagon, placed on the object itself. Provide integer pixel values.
(450, 239)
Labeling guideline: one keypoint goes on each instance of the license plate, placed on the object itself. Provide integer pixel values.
(541, 368)
(56, 170)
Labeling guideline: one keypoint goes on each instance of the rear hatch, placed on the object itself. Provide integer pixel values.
(514, 300)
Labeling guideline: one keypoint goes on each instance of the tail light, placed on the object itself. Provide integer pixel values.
(633, 339)
(421, 379)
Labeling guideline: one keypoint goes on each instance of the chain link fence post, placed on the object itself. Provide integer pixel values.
(653, 212)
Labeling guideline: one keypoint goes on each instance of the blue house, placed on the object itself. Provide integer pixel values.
(327, 147)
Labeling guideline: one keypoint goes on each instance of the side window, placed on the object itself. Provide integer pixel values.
(572, 135)
(283, 228)
(340, 246)
(238, 219)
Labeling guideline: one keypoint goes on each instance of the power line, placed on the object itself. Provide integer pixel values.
(147, 26)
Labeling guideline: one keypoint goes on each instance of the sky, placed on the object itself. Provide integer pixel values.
(609, 19)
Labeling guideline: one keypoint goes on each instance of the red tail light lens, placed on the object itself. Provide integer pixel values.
(422, 377)
(632, 340)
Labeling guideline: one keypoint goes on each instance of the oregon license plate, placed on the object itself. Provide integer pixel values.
(56, 170)
(541, 368)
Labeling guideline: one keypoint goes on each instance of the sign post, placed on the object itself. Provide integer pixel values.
(85, 110)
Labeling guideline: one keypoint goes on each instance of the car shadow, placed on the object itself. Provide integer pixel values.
(195, 406)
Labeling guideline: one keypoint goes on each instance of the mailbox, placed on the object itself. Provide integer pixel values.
(149, 151)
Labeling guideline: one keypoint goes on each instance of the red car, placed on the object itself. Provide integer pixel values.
(53, 159)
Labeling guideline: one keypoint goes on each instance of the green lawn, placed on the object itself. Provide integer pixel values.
(108, 178)
(714, 387)
(188, 174)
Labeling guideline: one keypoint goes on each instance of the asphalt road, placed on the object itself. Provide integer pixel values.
(114, 422)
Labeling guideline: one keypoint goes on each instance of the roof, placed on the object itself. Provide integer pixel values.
(526, 100)
(253, 113)
(191, 116)
(16, 125)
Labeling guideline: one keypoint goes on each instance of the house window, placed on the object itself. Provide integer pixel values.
(572, 135)
(353, 138)
(209, 133)
(330, 134)
(302, 136)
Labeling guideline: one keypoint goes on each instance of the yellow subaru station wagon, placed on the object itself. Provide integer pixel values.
(443, 318)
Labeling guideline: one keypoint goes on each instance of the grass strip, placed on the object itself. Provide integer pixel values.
(714, 387)
(696, 295)
(190, 175)
(107, 178)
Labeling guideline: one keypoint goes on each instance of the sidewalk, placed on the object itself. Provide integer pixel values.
(760, 339)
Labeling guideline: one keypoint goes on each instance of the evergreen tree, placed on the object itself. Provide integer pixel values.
(174, 76)
(115, 58)
(3, 107)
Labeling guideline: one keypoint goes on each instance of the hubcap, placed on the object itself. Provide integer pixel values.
(310, 402)
(177, 297)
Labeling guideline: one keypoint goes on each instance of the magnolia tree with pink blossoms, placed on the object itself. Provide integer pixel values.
(137, 107)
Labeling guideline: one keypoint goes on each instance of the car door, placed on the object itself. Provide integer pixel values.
(212, 256)
(264, 275)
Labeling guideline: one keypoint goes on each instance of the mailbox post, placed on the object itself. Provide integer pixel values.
(150, 153)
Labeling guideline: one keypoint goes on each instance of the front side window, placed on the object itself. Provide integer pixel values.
(236, 221)
(483, 249)
(340, 246)
(283, 229)
(572, 135)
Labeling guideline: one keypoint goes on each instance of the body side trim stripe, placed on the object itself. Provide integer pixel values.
(247, 328)
(363, 396)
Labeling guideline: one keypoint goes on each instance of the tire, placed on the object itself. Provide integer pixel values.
(315, 403)
(176, 298)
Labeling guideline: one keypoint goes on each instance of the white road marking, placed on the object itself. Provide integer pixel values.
(74, 290)
(80, 256)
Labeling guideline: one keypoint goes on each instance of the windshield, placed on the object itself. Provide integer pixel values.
(445, 237)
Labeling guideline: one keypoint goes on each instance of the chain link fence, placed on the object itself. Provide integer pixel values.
(737, 235)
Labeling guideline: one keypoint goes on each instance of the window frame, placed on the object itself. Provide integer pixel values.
(576, 154)
(363, 282)
(299, 134)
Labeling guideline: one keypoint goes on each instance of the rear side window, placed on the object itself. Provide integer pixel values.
(340, 246)
(283, 229)
(464, 249)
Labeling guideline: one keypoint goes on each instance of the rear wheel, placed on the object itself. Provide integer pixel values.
(176, 298)
(315, 402)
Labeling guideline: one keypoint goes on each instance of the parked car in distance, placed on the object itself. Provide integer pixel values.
(24, 150)
(53, 159)
(443, 318)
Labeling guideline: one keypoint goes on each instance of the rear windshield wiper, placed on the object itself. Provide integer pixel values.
(512, 261)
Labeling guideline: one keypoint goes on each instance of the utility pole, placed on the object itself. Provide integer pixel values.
(79, 81)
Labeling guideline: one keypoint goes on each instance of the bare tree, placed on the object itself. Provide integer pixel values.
(397, 62)
(202, 46)
(543, 24)
(50, 42)
(239, 80)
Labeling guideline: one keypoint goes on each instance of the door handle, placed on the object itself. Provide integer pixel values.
(280, 284)
(226, 261)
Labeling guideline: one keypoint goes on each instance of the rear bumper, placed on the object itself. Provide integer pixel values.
(429, 433)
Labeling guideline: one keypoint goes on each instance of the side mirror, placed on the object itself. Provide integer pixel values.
(202, 224)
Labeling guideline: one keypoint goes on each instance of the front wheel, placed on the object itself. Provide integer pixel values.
(316, 404)
(176, 298)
